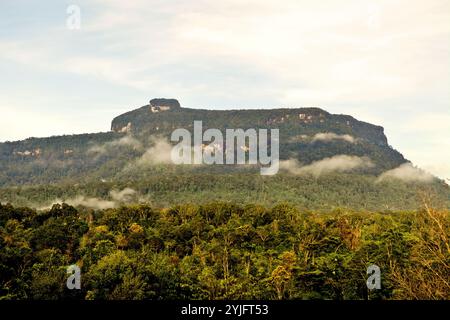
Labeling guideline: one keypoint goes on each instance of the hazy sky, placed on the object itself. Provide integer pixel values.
(385, 62)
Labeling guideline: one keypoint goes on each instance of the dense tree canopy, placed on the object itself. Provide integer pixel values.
(222, 250)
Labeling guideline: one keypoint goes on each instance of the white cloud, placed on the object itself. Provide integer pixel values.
(408, 173)
(111, 146)
(159, 153)
(338, 163)
(89, 202)
(430, 147)
(329, 136)
(327, 47)
(124, 195)
(439, 169)
(330, 47)
(94, 203)
(118, 196)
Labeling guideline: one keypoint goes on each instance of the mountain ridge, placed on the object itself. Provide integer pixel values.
(340, 134)
(147, 118)
(91, 169)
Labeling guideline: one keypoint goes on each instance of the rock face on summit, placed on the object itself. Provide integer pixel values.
(162, 102)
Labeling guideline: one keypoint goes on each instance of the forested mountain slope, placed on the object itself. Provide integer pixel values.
(327, 160)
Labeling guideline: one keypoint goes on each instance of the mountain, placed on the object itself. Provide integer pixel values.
(167, 114)
(134, 155)
(297, 127)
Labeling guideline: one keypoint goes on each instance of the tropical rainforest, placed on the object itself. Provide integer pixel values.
(140, 227)
(223, 251)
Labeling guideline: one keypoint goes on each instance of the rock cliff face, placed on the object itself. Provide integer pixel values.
(162, 102)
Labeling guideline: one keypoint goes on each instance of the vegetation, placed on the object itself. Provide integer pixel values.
(150, 230)
(223, 250)
(75, 158)
(167, 188)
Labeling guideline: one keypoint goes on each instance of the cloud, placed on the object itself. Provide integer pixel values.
(338, 163)
(122, 196)
(430, 148)
(88, 202)
(159, 153)
(118, 197)
(367, 62)
(441, 169)
(94, 203)
(111, 146)
(408, 173)
(368, 59)
(329, 136)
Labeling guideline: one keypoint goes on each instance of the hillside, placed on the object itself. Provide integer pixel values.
(134, 154)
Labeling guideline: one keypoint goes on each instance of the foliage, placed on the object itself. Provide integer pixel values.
(223, 250)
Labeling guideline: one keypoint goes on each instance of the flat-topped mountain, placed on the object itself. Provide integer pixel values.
(162, 115)
(306, 134)
(326, 160)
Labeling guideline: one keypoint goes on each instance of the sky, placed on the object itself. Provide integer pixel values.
(384, 62)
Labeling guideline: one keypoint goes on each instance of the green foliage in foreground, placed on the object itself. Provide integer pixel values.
(223, 251)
